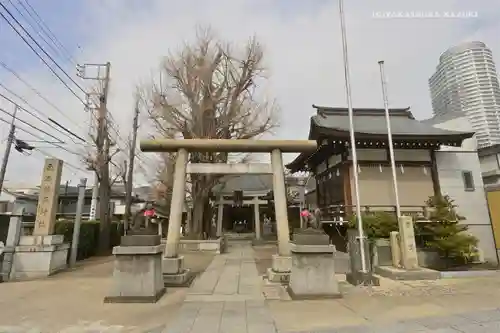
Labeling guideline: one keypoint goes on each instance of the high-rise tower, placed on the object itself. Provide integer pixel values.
(466, 80)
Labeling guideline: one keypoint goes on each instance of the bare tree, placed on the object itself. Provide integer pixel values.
(209, 90)
(164, 180)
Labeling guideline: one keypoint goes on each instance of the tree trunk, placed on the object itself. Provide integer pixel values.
(207, 219)
(195, 232)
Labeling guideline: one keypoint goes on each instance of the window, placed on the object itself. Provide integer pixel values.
(468, 181)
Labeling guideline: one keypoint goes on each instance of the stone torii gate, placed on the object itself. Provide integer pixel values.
(173, 263)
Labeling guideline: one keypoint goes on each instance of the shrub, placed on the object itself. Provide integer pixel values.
(376, 224)
(89, 236)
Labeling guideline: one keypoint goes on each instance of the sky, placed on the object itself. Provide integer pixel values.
(303, 58)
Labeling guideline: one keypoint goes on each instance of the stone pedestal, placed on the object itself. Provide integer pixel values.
(39, 256)
(267, 229)
(137, 275)
(280, 270)
(313, 272)
(357, 276)
(416, 274)
(174, 273)
(404, 256)
(310, 236)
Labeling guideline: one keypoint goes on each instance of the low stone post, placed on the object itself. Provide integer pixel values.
(174, 272)
(13, 235)
(220, 216)
(409, 257)
(256, 214)
(160, 228)
(395, 249)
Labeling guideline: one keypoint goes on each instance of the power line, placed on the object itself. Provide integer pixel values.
(44, 27)
(34, 115)
(32, 27)
(55, 144)
(32, 126)
(39, 56)
(67, 130)
(41, 48)
(42, 139)
(39, 94)
(65, 162)
(12, 137)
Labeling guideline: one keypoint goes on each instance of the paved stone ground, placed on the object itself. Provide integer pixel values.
(72, 302)
(231, 296)
(227, 298)
(473, 322)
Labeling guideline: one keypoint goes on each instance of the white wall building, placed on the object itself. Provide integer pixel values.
(466, 80)
(460, 176)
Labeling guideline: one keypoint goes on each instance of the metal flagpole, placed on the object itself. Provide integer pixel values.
(389, 137)
(359, 219)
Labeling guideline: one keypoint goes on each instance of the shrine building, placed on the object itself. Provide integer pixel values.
(419, 172)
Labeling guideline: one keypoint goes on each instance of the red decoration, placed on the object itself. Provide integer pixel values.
(149, 212)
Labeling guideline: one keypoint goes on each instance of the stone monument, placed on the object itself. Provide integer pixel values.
(43, 253)
(313, 265)
(405, 264)
(137, 274)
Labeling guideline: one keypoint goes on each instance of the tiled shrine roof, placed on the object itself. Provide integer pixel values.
(332, 124)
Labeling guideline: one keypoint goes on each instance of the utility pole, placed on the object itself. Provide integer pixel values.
(103, 145)
(6, 155)
(130, 172)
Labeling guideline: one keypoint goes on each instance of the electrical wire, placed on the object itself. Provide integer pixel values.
(33, 28)
(41, 48)
(65, 162)
(55, 144)
(32, 126)
(39, 94)
(44, 27)
(33, 114)
(39, 56)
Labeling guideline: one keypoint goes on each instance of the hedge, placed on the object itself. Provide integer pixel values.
(89, 236)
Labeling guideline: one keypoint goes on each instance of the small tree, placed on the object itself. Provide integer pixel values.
(446, 235)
